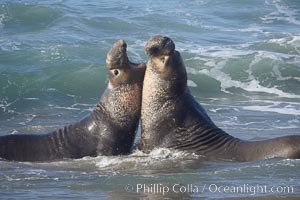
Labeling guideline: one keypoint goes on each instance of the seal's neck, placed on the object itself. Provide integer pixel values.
(122, 104)
(157, 88)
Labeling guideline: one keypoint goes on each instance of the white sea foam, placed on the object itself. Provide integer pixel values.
(139, 159)
(282, 13)
(31, 98)
(214, 67)
(251, 86)
(286, 107)
(279, 76)
(255, 29)
(221, 51)
(5, 105)
(7, 45)
(271, 108)
(2, 18)
(51, 89)
(292, 41)
(67, 108)
(245, 49)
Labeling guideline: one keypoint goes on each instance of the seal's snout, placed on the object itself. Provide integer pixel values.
(117, 56)
(159, 45)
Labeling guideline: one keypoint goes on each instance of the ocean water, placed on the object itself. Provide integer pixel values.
(243, 63)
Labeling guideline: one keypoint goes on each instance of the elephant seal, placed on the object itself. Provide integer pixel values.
(172, 118)
(109, 130)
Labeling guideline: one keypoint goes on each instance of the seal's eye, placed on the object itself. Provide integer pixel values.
(116, 72)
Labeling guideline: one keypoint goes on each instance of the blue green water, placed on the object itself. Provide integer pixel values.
(243, 63)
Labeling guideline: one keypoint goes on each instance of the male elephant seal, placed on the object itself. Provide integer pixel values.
(109, 130)
(172, 118)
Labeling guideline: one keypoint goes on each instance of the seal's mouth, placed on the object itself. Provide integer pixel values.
(159, 46)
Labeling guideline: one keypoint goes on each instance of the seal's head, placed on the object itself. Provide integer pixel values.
(121, 70)
(165, 66)
(122, 98)
(164, 59)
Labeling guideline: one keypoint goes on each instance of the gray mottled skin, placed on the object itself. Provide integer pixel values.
(109, 130)
(172, 118)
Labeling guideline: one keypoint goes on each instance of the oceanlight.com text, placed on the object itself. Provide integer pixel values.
(163, 189)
